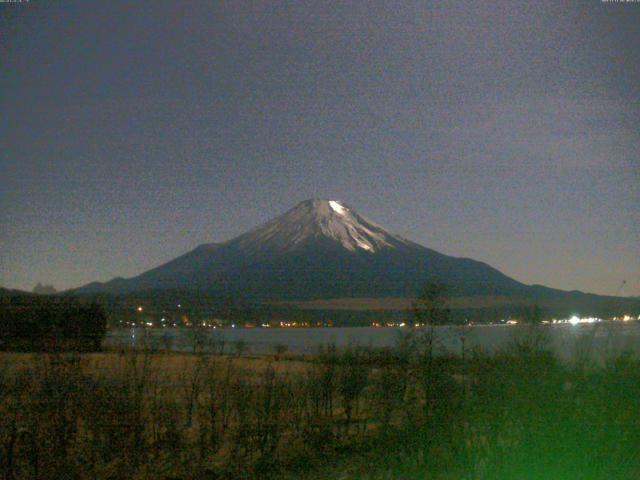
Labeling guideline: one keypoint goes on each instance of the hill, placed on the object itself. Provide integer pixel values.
(324, 249)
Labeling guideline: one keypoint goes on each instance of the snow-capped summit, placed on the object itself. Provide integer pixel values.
(313, 220)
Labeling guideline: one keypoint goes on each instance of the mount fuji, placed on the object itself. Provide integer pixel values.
(318, 249)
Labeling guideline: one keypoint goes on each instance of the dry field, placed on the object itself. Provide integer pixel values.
(143, 415)
(352, 414)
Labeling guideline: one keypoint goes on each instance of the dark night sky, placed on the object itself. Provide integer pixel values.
(499, 130)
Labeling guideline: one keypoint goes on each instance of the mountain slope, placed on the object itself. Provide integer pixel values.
(318, 249)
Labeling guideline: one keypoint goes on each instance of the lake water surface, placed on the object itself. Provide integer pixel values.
(600, 339)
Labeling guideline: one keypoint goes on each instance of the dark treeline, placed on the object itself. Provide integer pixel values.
(43, 324)
(196, 306)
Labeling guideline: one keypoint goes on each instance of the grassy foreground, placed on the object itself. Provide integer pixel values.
(401, 413)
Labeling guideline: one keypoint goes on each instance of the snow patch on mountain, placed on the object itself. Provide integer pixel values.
(336, 207)
(315, 219)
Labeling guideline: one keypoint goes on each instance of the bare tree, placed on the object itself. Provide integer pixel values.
(429, 311)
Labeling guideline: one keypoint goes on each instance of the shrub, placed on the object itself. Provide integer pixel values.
(46, 324)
